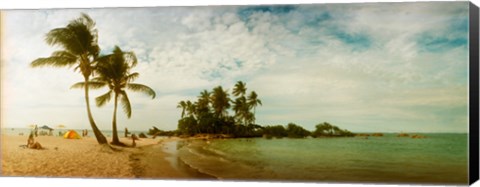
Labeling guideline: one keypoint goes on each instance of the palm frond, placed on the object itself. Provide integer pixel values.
(131, 57)
(91, 84)
(59, 36)
(65, 54)
(103, 99)
(54, 61)
(132, 77)
(78, 85)
(86, 20)
(127, 108)
(141, 88)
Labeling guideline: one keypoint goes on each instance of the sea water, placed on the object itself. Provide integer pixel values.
(438, 158)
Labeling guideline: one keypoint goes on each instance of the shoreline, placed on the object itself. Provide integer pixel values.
(147, 165)
(85, 158)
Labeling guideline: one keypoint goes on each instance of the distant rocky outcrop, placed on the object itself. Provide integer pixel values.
(418, 136)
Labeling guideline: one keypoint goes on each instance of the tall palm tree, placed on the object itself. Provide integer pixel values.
(240, 89)
(253, 102)
(191, 109)
(114, 71)
(204, 99)
(78, 41)
(241, 109)
(183, 106)
(220, 102)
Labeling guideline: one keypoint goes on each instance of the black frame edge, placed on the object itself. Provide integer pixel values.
(473, 94)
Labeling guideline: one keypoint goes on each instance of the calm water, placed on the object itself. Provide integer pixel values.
(439, 158)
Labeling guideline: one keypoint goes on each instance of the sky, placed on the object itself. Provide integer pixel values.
(372, 67)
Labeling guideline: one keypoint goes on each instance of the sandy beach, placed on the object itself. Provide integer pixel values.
(86, 159)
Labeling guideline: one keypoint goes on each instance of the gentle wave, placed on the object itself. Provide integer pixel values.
(201, 157)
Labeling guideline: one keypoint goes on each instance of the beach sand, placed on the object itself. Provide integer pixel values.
(85, 158)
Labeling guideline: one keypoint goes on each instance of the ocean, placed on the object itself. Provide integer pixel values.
(436, 159)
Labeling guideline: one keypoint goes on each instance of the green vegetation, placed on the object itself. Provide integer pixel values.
(209, 114)
(277, 131)
(157, 132)
(295, 131)
(327, 130)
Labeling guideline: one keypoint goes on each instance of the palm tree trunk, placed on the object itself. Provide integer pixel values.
(98, 134)
(115, 140)
(254, 114)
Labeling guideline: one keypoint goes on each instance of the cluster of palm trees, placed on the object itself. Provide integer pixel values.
(209, 114)
(79, 49)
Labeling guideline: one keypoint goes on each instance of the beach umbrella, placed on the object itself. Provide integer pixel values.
(46, 127)
(61, 126)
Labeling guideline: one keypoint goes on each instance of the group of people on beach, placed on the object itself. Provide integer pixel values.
(32, 144)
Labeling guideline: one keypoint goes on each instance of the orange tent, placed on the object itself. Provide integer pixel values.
(71, 134)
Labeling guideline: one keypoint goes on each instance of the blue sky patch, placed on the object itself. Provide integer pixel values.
(358, 41)
(245, 13)
(440, 44)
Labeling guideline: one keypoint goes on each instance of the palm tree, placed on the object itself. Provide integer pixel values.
(183, 106)
(78, 41)
(240, 89)
(241, 109)
(114, 71)
(253, 102)
(203, 103)
(191, 109)
(220, 102)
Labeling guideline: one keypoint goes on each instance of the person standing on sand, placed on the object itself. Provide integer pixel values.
(126, 132)
(134, 137)
(35, 131)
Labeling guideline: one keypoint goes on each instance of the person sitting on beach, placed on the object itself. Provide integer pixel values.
(32, 144)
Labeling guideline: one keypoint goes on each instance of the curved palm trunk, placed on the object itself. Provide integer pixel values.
(115, 140)
(254, 115)
(98, 134)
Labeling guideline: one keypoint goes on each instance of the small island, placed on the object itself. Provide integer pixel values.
(209, 116)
